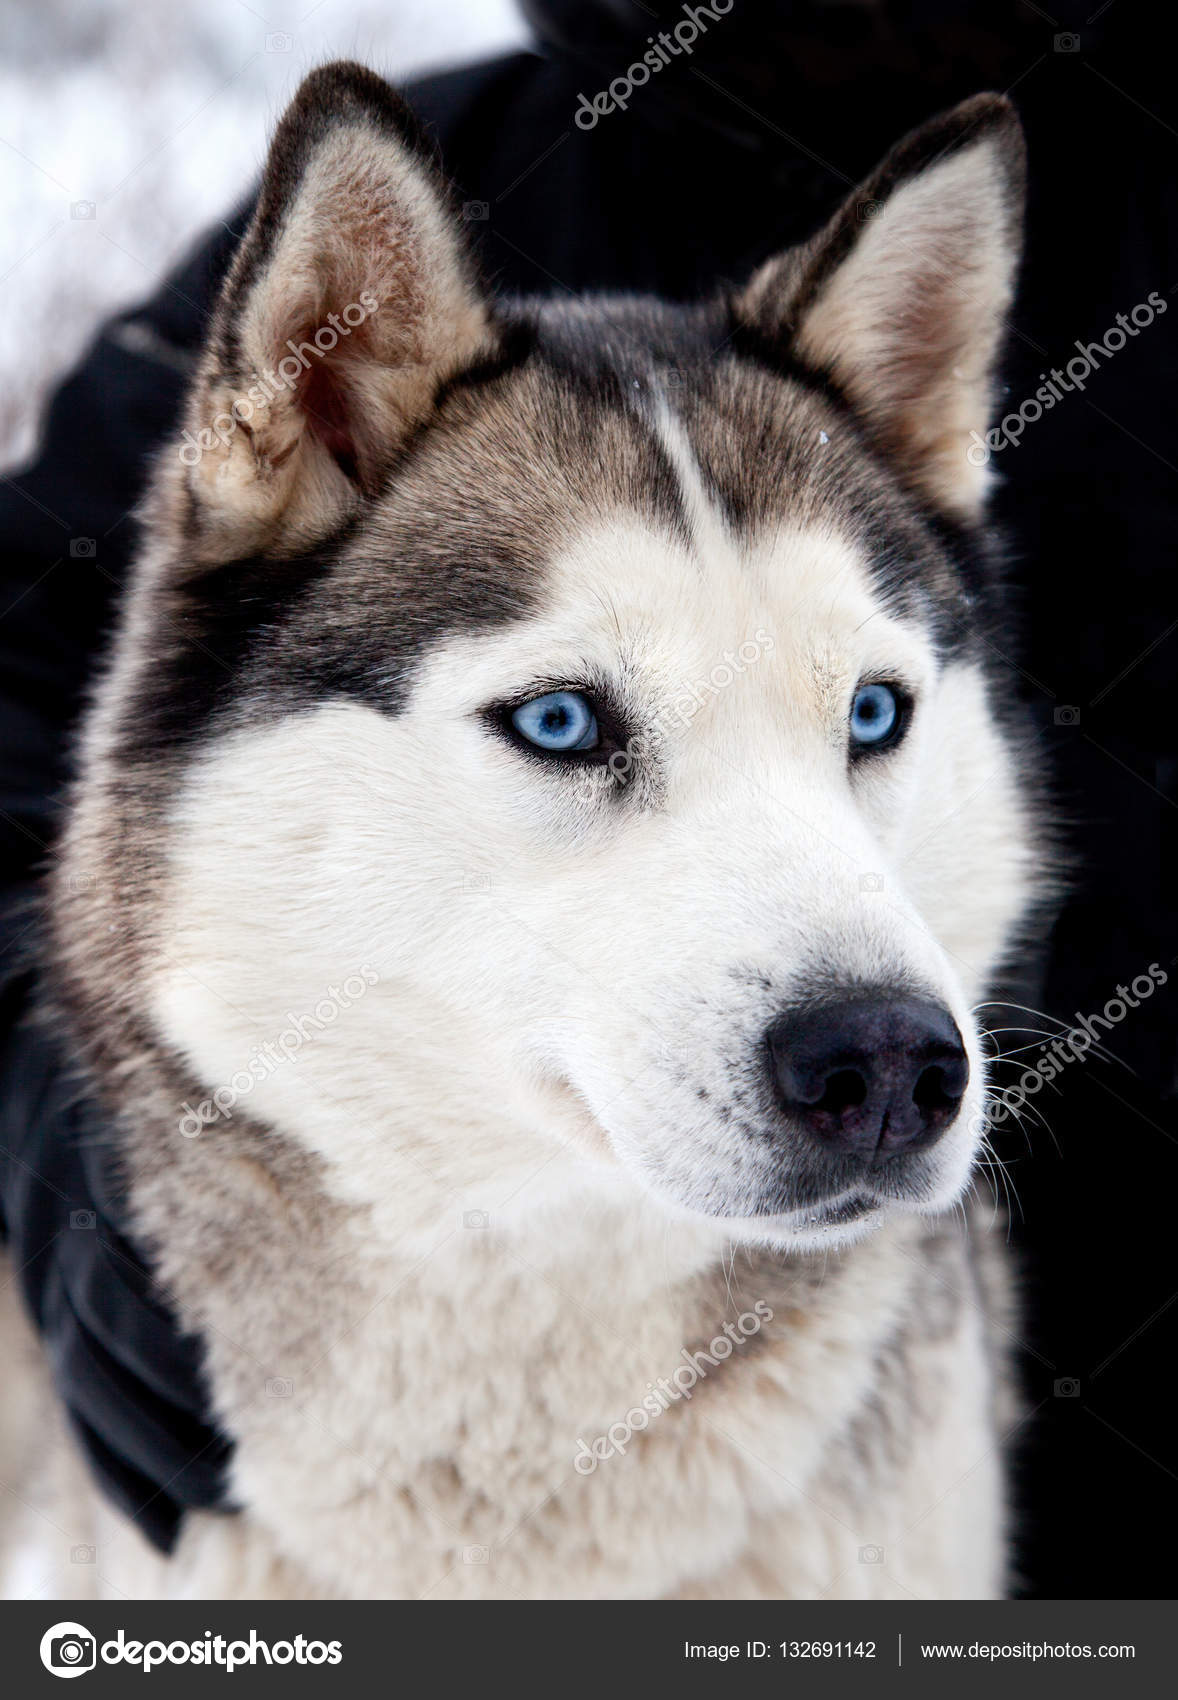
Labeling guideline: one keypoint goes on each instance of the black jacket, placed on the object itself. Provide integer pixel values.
(733, 151)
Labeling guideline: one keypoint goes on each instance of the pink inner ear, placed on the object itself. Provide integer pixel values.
(323, 399)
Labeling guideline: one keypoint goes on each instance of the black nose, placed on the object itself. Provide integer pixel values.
(872, 1074)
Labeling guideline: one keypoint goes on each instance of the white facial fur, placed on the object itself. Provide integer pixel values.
(587, 970)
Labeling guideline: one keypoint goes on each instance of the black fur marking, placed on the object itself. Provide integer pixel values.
(967, 551)
(459, 539)
(515, 346)
(212, 628)
(751, 342)
(456, 539)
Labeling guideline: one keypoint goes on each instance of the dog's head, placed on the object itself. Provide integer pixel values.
(598, 688)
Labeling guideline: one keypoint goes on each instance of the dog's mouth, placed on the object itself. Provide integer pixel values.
(853, 1203)
(824, 1223)
(840, 1212)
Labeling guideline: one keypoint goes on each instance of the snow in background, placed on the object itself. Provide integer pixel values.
(129, 126)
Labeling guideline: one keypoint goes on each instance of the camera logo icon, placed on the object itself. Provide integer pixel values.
(83, 548)
(871, 882)
(82, 209)
(86, 1219)
(476, 212)
(871, 1555)
(1067, 1387)
(280, 1387)
(476, 1219)
(278, 41)
(867, 210)
(1068, 42)
(1069, 715)
(67, 1649)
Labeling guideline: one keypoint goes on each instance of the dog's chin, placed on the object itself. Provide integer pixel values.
(827, 1226)
(833, 1223)
(850, 1213)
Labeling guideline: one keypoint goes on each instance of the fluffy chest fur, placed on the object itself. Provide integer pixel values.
(418, 1426)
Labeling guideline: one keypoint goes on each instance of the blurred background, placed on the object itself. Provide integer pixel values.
(128, 129)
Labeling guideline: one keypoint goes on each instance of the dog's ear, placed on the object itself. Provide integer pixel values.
(351, 297)
(901, 299)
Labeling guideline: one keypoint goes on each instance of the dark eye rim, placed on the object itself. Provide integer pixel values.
(905, 705)
(612, 736)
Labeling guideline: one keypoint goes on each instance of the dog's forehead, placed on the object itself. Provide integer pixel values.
(791, 614)
(630, 446)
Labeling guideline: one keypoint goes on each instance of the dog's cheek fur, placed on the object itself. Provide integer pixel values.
(533, 928)
(969, 829)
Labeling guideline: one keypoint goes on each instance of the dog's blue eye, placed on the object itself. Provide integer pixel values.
(875, 714)
(561, 721)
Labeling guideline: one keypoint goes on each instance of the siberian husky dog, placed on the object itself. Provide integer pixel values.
(546, 830)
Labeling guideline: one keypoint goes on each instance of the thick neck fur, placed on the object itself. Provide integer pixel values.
(409, 1408)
